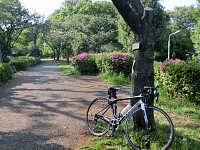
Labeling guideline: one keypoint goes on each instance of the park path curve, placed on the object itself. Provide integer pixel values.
(43, 109)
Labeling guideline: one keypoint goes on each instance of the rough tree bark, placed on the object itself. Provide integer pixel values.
(140, 19)
(1, 60)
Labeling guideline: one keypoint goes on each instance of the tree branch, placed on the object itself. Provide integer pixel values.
(132, 12)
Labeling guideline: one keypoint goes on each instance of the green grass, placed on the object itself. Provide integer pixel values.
(186, 120)
(67, 68)
(115, 79)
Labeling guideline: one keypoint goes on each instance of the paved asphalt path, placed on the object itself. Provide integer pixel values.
(42, 109)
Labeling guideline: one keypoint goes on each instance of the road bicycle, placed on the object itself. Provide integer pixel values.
(146, 127)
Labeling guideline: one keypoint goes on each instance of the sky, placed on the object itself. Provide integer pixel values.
(46, 7)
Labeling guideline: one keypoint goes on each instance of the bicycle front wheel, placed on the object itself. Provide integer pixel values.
(98, 116)
(158, 135)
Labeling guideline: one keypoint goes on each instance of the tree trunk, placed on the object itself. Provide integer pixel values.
(58, 55)
(1, 59)
(140, 21)
(67, 55)
(143, 70)
(54, 55)
(35, 40)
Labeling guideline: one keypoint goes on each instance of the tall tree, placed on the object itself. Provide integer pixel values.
(140, 21)
(53, 36)
(13, 19)
(35, 31)
(30, 39)
(90, 25)
(196, 34)
(181, 18)
(125, 34)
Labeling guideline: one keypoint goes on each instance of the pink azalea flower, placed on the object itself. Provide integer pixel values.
(82, 56)
(104, 53)
(172, 61)
(165, 63)
(178, 60)
(114, 56)
(121, 55)
(161, 69)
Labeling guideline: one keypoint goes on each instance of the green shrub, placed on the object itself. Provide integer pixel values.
(32, 61)
(5, 72)
(21, 64)
(115, 63)
(85, 63)
(180, 79)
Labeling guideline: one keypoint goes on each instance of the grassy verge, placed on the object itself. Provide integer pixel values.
(67, 69)
(115, 79)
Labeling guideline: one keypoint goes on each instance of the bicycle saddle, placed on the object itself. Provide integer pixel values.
(112, 92)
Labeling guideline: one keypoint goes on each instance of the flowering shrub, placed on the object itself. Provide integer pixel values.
(116, 63)
(179, 78)
(164, 64)
(85, 63)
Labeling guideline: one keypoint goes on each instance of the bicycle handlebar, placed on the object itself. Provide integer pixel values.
(147, 91)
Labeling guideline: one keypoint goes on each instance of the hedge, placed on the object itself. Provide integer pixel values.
(21, 64)
(5, 72)
(32, 61)
(120, 63)
(180, 79)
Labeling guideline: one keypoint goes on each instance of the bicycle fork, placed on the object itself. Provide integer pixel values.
(145, 116)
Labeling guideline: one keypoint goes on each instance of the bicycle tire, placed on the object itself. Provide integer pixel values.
(96, 125)
(160, 136)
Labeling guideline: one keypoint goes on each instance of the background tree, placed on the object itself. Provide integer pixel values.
(13, 19)
(125, 34)
(35, 32)
(53, 36)
(30, 40)
(89, 25)
(195, 35)
(182, 19)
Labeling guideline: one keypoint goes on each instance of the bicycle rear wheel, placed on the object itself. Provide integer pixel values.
(159, 134)
(98, 116)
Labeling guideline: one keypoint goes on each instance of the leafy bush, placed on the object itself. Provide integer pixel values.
(21, 64)
(32, 61)
(85, 63)
(115, 63)
(180, 79)
(5, 72)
